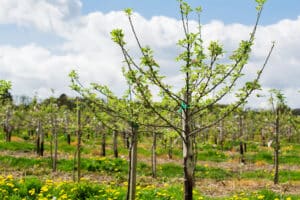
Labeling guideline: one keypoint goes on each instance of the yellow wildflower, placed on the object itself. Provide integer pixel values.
(261, 197)
(31, 192)
(10, 185)
(44, 189)
(64, 196)
(9, 177)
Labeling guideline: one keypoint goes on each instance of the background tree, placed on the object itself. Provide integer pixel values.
(279, 108)
(112, 107)
(5, 86)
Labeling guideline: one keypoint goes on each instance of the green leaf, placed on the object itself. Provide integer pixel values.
(117, 36)
(128, 11)
(260, 4)
(73, 75)
(4, 86)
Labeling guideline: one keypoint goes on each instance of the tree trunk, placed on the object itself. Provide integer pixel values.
(188, 167)
(153, 160)
(245, 147)
(68, 138)
(103, 144)
(276, 148)
(131, 190)
(115, 143)
(37, 142)
(188, 157)
(242, 158)
(195, 156)
(41, 139)
(7, 126)
(263, 137)
(51, 147)
(221, 135)
(241, 126)
(78, 145)
(67, 129)
(290, 134)
(54, 133)
(170, 148)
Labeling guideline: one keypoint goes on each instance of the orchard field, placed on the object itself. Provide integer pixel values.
(219, 172)
(196, 139)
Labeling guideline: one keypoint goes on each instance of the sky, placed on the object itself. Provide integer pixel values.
(41, 41)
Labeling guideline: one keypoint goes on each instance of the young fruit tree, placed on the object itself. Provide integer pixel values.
(281, 113)
(207, 80)
(121, 113)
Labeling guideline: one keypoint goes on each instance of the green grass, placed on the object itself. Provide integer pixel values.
(32, 188)
(291, 158)
(257, 174)
(22, 163)
(169, 170)
(261, 156)
(212, 155)
(286, 175)
(212, 173)
(17, 146)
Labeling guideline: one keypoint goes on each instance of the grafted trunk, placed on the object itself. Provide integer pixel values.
(103, 144)
(68, 138)
(54, 133)
(221, 134)
(37, 142)
(289, 134)
(131, 190)
(188, 157)
(241, 126)
(188, 167)
(77, 155)
(263, 137)
(153, 158)
(276, 148)
(242, 150)
(67, 132)
(170, 148)
(41, 139)
(115, 143)
(7, 126)
(79, 145)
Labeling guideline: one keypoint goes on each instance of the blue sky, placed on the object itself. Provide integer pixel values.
(41, 41)
(229, 11)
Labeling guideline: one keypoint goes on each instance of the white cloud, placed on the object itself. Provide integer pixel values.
(42, 14)
(88, 48)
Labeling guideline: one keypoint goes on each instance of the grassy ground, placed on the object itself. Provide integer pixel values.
(219, 175)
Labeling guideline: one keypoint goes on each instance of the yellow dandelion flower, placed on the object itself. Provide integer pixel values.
(31, 192)
(44, 189)
(64, 196)
(261, 197)
(49, 182)
(10, 185)
(9, 177)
